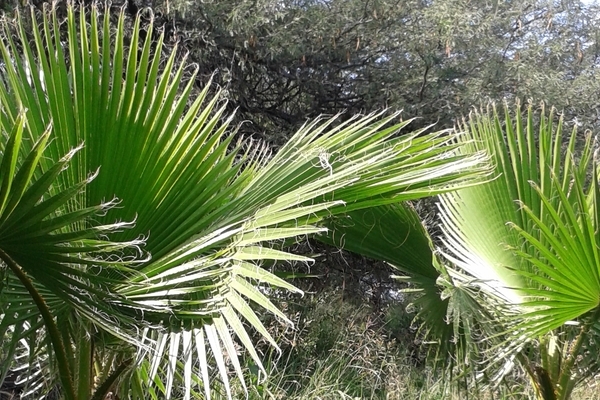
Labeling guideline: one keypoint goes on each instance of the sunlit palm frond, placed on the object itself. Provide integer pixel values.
(519, 256)
(50, 254)
(210, 210)
(528, 239)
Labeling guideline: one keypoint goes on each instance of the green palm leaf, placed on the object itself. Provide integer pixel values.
(538, 206)
(519, 257)
(208, 210)
(527, 241)
(394, 233)
(48, 251)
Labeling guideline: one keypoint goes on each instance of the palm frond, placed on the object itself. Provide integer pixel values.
(527, 241)
(210, 211)
(50, 252)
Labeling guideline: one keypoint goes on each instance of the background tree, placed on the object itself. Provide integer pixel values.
(283, 62)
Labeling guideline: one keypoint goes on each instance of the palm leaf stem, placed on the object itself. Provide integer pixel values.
(103, 389)
(53, 331)
(564, 385)
(62, 320)
(535, 377)
(83, 369)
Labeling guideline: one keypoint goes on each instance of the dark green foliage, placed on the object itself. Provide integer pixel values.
(282, 62)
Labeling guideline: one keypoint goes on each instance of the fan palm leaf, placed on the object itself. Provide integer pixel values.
(538, 241)
(527, 241)
(52, 255)
(207, 209)
(540, 252)
(519, 262)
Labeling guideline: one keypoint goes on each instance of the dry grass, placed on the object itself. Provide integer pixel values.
(341, 350)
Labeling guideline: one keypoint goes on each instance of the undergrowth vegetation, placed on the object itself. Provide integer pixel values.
(341, 350)
(344, 348)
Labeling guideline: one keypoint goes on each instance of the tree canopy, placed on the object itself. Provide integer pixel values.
(283, 62)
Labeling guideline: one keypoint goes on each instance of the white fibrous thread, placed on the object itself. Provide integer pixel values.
(324, 161)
